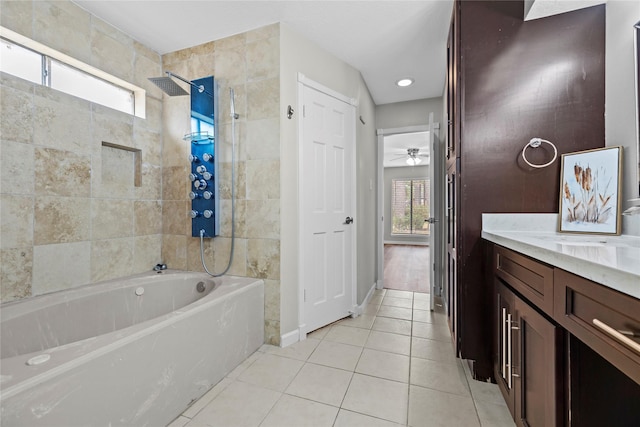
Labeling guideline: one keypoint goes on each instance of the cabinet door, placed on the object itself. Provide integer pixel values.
(538, 380)
(503, 343)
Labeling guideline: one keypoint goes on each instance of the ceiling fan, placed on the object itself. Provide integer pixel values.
(413, 156)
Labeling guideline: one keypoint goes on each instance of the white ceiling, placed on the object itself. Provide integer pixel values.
(385, 40)
(395, 148)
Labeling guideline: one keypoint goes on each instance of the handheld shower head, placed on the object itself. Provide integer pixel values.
(232, 96)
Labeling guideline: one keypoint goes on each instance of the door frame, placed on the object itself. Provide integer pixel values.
(305, 81)
(380, 201)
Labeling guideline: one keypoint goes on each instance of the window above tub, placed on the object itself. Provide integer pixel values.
(37, 63)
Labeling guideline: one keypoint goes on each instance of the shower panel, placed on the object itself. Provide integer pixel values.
(205, 200)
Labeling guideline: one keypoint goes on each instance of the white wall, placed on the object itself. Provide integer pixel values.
(299, 55)
(409, 172)
(410, 113)
(620, 89)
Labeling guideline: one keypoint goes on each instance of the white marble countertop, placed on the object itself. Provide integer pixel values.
(613, 261)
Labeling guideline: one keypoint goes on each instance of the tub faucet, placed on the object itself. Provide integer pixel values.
(159, 267)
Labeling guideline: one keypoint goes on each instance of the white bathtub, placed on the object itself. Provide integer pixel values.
(125, 352)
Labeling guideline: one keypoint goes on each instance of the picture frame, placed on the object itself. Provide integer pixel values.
(590, 198)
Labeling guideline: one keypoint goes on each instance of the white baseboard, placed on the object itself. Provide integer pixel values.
(406, 242)
(358, 309)
(380, 284)
(290, 338)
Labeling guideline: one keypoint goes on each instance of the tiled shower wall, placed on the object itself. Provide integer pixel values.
(71, 213)
(250, 64)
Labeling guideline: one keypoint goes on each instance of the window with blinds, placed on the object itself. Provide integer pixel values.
(409, 206)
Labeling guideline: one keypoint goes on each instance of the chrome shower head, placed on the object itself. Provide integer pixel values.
(168, 86)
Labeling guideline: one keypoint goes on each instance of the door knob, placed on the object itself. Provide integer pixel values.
(348, 220)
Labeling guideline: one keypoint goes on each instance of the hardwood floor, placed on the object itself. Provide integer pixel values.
(406, 268)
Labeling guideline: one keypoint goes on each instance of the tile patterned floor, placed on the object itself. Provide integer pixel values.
(392, 366)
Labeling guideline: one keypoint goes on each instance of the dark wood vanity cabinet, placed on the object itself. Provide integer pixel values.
(566, 350)
(528, 349)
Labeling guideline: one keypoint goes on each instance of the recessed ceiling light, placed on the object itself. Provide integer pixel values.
(404, 82)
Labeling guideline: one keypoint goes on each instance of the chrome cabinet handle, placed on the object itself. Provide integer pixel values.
(617, 335)
(509, 351)
(504, 343)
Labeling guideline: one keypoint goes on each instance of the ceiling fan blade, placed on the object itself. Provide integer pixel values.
(398, 158)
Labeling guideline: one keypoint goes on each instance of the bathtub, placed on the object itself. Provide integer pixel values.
(135, 351)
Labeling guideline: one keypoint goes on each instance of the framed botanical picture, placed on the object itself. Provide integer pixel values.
(590, 191)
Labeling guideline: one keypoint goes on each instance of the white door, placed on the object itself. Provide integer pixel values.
(327, 191)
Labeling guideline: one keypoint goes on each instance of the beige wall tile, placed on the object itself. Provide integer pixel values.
(111, 218)
(16, 120)
(263, 179)
(15, 273)
(150, 143)
(146, 67)
(147, 217)
(263, 59)
(233, 42)
(272, 299)
(263, 139)
(263, 219)
(263, 99)
(194, 262)
(61, 266)
(16, 221)
(224, 105)
(151, 188)
(175, 218)
(145, 51)
(111, 258)
(224, 180)
(112, 55)
(16, 168)
(111, 126)
(117, 173)
(60, 121)
(153, 118)
(272, 332)
(231, 65)
(175, 183)
(266, 32)
(240, 218)
(61, 220)
(174, 251)
(62, 173)
(17, 16)
(63, 26)
(263, 258)
(147, 252)
(222, 248)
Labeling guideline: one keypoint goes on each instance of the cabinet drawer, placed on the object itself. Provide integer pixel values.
(532, 279)
(604, 319)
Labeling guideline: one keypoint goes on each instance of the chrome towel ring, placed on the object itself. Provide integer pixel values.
(535, 143)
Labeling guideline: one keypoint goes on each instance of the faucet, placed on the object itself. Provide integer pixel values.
(159, 267)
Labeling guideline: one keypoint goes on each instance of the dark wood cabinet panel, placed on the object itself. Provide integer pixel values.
(503, 88)
(604, 319)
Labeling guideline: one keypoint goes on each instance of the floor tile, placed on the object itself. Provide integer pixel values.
(395, 312)
(399, 294)
(377, 397)
(272, 372)
(397, 302)
(353, 419)
(319, 334)
(363, 321)
(421, 296)
(422, 304)
(494, 415)
(428, 316)
(347, 335)
(384, 365)
(371, 309)
(336, 355)
(376, 300)
(246, 363)
(394, 326)
(321, 384)
(432, 408)
(485, 392)
(431, 331)
(181, 421)
(201, 403)
(294, 411)
(299, 351)
(433, 350)
(240, 404)
(393, 343)
(442, 376)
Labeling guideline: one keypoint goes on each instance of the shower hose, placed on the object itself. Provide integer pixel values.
(234, 116)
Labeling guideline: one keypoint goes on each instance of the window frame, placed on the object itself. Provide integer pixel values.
(411, 183)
